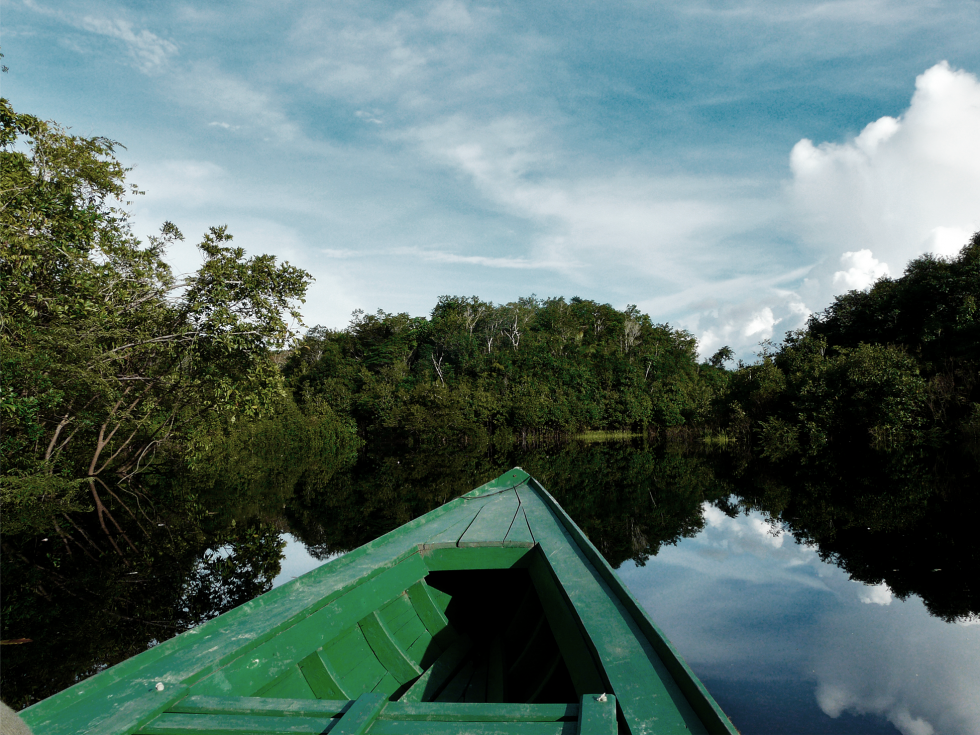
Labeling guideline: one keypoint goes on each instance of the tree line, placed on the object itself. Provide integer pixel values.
(474, 370)
(115, 368)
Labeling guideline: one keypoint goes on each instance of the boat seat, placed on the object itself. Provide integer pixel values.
(373, 714)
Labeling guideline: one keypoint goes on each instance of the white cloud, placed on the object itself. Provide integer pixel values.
(861, 271)
(439, 256)
(899, 662)
(600, 225)
(890, 660)
(148, 50)
(250, 105)
(903, 185)
(879, 594)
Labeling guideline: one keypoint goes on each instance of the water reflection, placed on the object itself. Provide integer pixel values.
(629, 499)
(782, 588)
(790, 643)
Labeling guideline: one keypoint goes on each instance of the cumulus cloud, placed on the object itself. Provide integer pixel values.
(902, 187)
(861, 269)
(879, 594)
(899, 662)
(866, 652)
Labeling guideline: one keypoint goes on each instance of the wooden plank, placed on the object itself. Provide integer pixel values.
(485, 557)
(408, 633)
(346, 651)
(539, 642)
(429, 613)
(508, 480)
(387, 686)
(433, 679)
(598, 715)
(424, 652)
(548, 671)
(519, 533)
(181, 724)
(476, 690)
(527, 615)
(648, 695)
(494, 520)
(495, 672)
(449, 537)
(439, 597)
(250, 673)
(361, 714)
(290, 685)
(205, 705)
(321, 677)
(388, 650)
(420, 727)
(464, 712)
(196, 654)
(581, 661)
(697, 695)
(364, 677)
(398, 612)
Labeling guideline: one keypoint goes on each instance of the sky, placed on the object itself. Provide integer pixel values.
(726, 165)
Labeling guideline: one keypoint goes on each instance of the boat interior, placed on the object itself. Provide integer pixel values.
(484, 635)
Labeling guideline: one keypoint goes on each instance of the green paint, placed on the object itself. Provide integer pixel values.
(598, 715)
(321, 677)
(204, 705)
(180, 724)
(362, 713)
(434, 678)
(440, 712)
(489, 557)
(494, 520)
(389, 652)
(328, 650)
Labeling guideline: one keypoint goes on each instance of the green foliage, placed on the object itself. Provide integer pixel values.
(884, 370)
(534, 366)
(860, 433)
(108, 358)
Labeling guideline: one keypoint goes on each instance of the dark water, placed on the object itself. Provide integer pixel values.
(846, 604)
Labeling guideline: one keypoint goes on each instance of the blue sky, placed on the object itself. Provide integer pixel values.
(727, 166)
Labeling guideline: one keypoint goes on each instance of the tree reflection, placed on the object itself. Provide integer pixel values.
(891, 518)
(629, 500)
(900, 518)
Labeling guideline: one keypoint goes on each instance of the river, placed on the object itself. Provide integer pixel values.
(845, 606)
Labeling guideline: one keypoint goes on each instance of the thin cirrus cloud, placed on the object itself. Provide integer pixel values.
(648, 154)
(147, 50)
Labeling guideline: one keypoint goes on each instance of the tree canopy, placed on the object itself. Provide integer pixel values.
(107, 356)
(475, 369)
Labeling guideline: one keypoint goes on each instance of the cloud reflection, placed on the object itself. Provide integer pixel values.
(745, 604)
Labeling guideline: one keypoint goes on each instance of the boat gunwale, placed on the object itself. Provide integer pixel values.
(131, 669)
(141, 665)
(697, 695)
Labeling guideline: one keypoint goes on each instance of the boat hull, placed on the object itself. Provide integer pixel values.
(493, 613)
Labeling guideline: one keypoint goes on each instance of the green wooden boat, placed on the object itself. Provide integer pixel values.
(491, 614)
